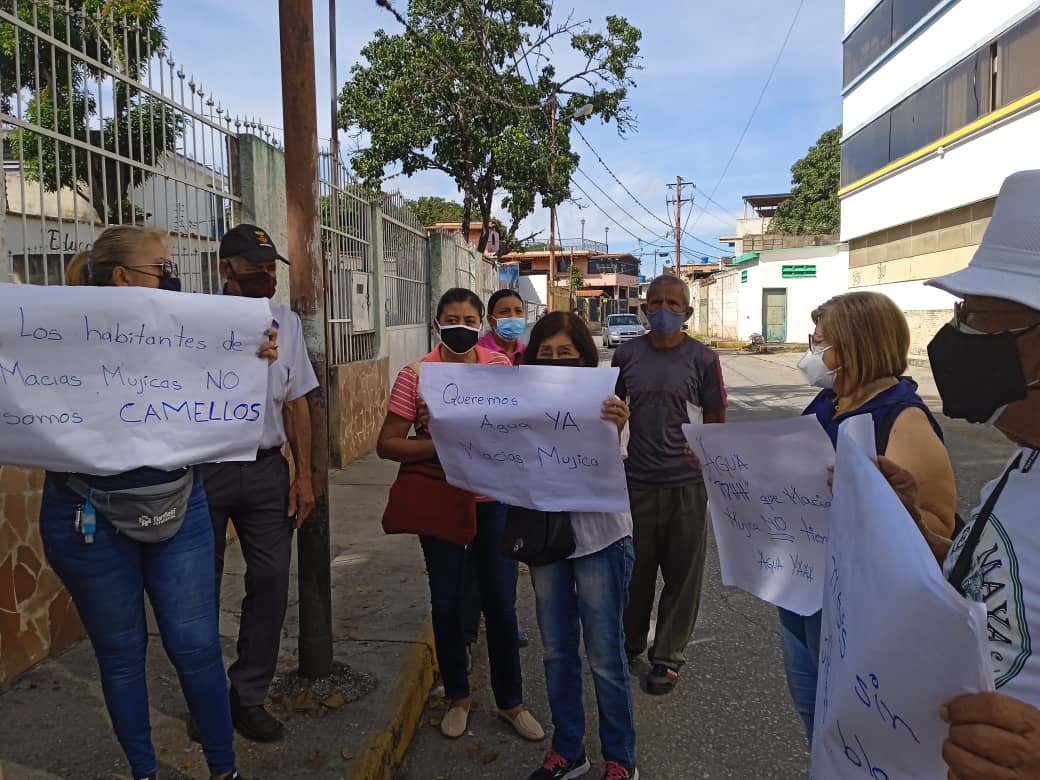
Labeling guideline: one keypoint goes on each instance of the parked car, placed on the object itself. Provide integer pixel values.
(620, 328)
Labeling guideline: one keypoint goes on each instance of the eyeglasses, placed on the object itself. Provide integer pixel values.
(166, 268)
(960, 322)
(816, 346)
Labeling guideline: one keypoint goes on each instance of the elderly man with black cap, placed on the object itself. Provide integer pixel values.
(258, 496)
(986, 363)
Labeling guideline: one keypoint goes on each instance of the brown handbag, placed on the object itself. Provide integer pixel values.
(422, 502)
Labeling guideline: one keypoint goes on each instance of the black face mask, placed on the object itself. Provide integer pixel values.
(977, 374)
(460, 339)
(171, 283)
(564, 362)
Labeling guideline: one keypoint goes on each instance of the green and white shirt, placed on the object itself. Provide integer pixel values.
(1004, 574)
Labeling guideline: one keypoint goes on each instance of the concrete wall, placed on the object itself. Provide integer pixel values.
(405, 344)
(261, 185)
(37, 617)
(803, 295)
(358, 393)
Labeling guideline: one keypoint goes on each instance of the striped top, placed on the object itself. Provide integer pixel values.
(405, 393)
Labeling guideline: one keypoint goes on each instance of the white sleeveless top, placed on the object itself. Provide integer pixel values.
(1005, 576)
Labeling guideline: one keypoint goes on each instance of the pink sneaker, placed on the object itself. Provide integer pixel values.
(615, 771)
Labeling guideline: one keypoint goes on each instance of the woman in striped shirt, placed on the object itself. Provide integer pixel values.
(459, 315)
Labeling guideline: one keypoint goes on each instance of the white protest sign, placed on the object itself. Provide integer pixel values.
(530, 436)
(768, 498)
(897, 642)
(101, 380)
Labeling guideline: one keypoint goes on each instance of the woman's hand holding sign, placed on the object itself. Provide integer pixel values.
(616, 411)
(992, 737)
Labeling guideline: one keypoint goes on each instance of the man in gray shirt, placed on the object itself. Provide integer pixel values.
(669, 379)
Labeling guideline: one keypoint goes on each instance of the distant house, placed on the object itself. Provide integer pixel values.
(610, 280)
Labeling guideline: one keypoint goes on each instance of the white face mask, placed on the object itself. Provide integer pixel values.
(815, 370)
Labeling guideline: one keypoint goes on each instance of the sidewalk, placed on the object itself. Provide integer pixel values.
(53, 722)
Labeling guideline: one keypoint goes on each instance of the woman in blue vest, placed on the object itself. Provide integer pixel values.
(857, 357)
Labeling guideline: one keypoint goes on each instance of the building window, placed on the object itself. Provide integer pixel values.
(1018, 61)
(743, 276)
(797, 272)
(883, 27)
(992, 77)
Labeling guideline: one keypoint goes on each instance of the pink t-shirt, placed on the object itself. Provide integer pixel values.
(489, 342)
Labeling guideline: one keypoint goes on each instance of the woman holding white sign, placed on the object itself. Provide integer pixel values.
(585, 595)
(857, 356)
(111, 539)
(459, 316)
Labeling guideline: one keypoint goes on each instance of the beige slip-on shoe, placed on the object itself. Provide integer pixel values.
(454, 722)
(525, 724)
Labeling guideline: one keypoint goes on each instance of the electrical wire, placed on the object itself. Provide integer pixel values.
(758, 103)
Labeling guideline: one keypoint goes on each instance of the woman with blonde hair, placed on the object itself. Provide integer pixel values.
(857, 357)
(107, 572)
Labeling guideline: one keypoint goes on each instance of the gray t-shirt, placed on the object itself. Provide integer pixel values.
(661, 385)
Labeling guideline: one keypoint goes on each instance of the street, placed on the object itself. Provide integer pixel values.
(730, 716)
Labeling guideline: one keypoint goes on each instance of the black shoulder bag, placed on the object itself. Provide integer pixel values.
(537, 538)
(963, 564)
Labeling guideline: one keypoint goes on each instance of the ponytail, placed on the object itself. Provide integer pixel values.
(76, 273)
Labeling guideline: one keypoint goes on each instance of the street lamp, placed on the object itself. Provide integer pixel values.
(579, 113)
(606, 239)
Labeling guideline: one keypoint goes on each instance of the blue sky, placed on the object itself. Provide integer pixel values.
(704, 64)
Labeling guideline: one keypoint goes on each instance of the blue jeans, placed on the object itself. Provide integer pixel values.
(447, 566)
(586, 597)
(107, 581)
(800, 639)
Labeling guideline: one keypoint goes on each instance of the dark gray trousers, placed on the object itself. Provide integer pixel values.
(255, 497)
(670, 534)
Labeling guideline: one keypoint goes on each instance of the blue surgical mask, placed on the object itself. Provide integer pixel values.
(666, 321)
(510, 328)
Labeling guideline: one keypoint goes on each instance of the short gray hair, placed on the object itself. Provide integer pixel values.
(668, 279)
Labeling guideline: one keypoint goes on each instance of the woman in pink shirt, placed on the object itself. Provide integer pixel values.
(459, 315)
(507, 321)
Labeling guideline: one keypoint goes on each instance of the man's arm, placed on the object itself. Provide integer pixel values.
(297, 417)
(713, 393)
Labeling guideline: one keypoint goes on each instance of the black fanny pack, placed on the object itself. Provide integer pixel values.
(153, 513)
(537, 538)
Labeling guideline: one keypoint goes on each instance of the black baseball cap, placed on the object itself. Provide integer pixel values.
(250, 243)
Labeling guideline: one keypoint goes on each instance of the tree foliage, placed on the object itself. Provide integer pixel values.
(813, 207)
(466, 90)
(63, 95)
(431, 209)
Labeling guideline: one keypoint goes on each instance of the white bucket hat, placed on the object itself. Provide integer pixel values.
(1007, 263)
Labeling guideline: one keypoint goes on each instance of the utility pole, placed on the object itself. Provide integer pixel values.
(307, 291)
(551, 296)
(679, 200)
(606, 240)
(583, 234)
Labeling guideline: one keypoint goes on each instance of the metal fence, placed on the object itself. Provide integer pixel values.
(474, 271)
(406, 264)
(102, 126)
(346, 245)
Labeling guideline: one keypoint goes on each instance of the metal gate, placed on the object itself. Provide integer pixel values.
(101, 126)
(346, 243)
(774, 315)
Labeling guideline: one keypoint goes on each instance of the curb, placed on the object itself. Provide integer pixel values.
(384, 751)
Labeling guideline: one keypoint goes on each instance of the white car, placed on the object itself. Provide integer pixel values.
(620, 328)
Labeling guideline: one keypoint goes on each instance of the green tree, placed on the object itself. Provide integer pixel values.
(466, 90)
(813, 207)
(430, 209)
(120, 34)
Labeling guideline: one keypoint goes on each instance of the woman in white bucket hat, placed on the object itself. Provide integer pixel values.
(986, 363)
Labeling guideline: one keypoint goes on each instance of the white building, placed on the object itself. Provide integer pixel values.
(44, 229)
(771, 293)
(940, 105)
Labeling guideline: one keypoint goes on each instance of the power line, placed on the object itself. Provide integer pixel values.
(761, 96)
(620, 225)
(638, 202)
